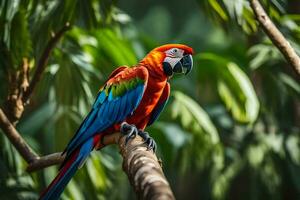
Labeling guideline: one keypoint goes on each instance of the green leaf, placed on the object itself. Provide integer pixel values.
(96, 171)
(290, 82)
(238, 94)
(234, 87)
(222, 182)
(217, 7)
(262, 54)
(20, 41)
(191, 112)
(292, 146)
(73, 192)
(174, 134)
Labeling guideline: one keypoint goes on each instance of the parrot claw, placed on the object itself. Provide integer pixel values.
(151, 144)
(129, 130)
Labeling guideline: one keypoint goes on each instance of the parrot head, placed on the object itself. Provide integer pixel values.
(174, 58)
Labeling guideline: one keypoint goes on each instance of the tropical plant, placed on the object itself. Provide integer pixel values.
(229, 131)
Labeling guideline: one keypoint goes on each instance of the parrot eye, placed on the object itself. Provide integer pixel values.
(175, 50)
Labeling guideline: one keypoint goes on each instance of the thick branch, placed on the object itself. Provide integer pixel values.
(16, 139)
(276, 36)
(42, 63)
(144, 170)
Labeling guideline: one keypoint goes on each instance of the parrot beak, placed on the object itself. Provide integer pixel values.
(185, 65)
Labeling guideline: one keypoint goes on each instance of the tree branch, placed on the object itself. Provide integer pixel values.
(142, 168)
(16, 139)
(34, 161)
(276, 36)
(144, 171)
(45, 161)
(42, 63)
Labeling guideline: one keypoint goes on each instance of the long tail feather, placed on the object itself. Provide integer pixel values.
(68, 170)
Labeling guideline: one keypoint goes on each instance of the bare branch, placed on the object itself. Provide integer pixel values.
(16, 139)
(56, 158)
(276, 36)
(144, 170)
(35, 162)
(45, 161)
(42, 63)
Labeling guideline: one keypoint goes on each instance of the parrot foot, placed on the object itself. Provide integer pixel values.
(129, 130)
(151, 144)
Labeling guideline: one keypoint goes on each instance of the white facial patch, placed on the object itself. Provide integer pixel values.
(173, 56)
(172, 61)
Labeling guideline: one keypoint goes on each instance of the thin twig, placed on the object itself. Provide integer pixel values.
(16, 139)
(276, 36)
(34, 161)
(42, 63)
(45, 161)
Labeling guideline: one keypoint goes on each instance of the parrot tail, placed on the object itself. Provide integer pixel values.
(67, 171)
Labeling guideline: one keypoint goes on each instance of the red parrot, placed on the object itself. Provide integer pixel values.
(132, 98)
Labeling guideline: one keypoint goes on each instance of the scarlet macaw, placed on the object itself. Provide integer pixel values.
(133, 98)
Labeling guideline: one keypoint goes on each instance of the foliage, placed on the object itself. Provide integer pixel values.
(230, 130)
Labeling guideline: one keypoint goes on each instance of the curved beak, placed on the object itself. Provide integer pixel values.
(185, 65)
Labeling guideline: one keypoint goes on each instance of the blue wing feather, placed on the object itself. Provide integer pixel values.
(110, 96)
(99, 99)
(122, 111)
(106, 111)
(116, 110)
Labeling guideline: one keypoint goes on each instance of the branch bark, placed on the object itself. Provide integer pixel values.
(144, 171)
(16, 139)
(45, 161)
(34, 161)
(276, 36)
(142, 168)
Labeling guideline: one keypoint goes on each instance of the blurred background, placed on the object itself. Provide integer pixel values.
(230, 129)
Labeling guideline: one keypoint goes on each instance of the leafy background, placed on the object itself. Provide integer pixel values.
(230, 130)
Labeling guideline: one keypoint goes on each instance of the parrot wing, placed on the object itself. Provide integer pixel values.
(160, 104)
(116, 100)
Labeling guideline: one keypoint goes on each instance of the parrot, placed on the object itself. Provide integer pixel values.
(132, 99)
